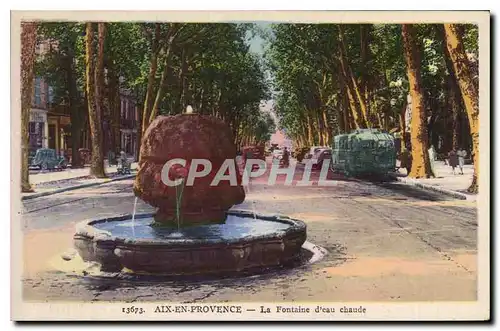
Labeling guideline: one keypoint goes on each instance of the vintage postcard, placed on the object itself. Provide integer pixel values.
(273, 165)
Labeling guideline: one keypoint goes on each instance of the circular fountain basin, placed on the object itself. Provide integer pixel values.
(246, 241)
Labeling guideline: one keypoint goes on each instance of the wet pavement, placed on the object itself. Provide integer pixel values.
(386, 241)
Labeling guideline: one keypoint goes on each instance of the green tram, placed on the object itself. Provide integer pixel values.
(363, 152)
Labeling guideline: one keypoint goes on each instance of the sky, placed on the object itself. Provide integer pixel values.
(257, 45)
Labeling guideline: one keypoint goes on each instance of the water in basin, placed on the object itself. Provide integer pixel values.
(236, 227)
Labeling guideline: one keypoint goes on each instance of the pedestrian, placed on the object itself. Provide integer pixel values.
(286, 157)
(124, 160)
(406, 161)
(453, 159)
(462, 154)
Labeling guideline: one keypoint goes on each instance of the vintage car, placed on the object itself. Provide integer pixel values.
(319, 156)
(123, 164)
(312, 150)
(47, 159)
(300, 153)
(363, 152)
(31, 156)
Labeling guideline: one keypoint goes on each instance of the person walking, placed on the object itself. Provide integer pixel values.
(286, 157)
(453, 160)
(462, 154)
(406, 161)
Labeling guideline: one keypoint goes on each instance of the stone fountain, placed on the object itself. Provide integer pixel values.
(197, 234)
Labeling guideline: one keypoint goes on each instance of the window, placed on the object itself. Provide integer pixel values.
(32, 128)
(38, 48)
(51, 94)
(367, 144)
(122, 108)
(384, 143)
(130, 110)
(38, 92)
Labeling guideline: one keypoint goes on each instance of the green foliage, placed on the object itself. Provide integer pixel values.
(64, 41)
(210, 66)
(304, 62)
(471, 39)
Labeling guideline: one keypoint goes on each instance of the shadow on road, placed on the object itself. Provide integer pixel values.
(413, 192)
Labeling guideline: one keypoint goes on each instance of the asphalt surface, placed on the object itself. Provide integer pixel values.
(386, 241)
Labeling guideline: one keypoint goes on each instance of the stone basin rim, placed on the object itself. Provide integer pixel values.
(87, 230)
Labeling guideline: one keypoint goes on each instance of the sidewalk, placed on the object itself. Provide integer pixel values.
(51, 182)
(444, 182)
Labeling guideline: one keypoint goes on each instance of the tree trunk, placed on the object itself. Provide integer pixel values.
(454, 105)
(402, 129)
(160, 93)
(76, 138)
(153, 67)
(350, 123)
(379, 120)
(357, 116)
(454, 97)
(77, 116)
(139, 131)
(181, 79)
(99, 88)
(148, 101)
(115, 108)
(419, 139)
(469, 90)
(86, 141)
(352, 84)
(93, 89)
(365, 33)
(344, 107)
(328, 132)
(28, 45)
(309, 130)
(341, 123)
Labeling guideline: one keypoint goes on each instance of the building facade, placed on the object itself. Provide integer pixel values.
(38, 125)
(47, 121)
(50, 123)
(129, 124)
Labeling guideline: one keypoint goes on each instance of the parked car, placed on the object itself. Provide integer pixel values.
(319, 156)
(47, 159)
(31, 156)
(123, 165)
(312, 151)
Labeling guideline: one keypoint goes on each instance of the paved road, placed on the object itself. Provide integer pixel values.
(386, 241)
